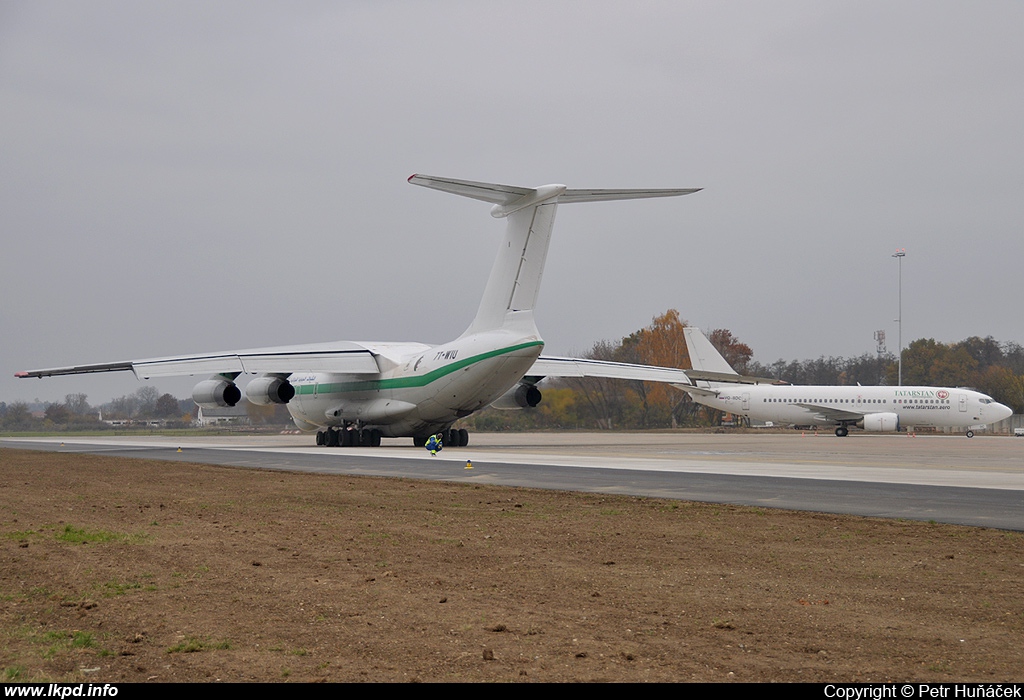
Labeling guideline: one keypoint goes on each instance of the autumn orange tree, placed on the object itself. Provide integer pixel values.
(663, 344)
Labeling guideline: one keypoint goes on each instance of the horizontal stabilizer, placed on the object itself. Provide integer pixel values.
(730, 378)
(484, 191)
(509, 198)
(699, 391)
(570, 196)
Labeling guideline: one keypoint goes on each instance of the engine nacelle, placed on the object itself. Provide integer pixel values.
(880, 423)
(264, 391)
(519, 396)
(216, 393)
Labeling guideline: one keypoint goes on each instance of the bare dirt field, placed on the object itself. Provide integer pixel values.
(133, 570)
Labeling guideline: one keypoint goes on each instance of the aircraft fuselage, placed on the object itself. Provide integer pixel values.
(421, 389)
(915, 406)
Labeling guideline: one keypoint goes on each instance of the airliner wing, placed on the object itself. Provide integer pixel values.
(341, 357)
(549, 366)
(832, 413)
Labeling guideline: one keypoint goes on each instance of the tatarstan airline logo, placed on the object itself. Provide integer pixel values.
(942, 394)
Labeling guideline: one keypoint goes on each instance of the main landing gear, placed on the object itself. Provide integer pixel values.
(449, 438)
(842, 431)
(348, 437)
(352, 436)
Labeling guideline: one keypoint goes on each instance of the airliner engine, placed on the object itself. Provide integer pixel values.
(880, 423)
(264, 391)
(216, 393)
(519, 396)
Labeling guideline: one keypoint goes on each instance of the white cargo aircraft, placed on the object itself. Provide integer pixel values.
(353, 393)
(872, 408)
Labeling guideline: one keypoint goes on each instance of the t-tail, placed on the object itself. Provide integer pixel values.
(511, 292)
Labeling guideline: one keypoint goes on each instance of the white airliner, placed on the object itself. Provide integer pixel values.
(873, 408)
(353, 393)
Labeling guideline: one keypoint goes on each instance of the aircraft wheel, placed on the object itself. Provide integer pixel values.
(419, 440)
(970, 433)
(346, 438)
(453, 438)
(463, 437)
(332, 437)
(375, 438)
(842, 431)
(320, 438)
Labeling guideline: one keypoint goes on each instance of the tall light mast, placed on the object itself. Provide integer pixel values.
(899, 255)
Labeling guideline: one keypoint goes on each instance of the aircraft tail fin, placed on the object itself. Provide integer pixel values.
(516, 275)
(703, 355)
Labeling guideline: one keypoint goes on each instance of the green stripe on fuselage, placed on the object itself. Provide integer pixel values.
(413, 381)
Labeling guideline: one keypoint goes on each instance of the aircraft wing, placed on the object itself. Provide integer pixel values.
(832, 413)
(342, 357)
(549, 366)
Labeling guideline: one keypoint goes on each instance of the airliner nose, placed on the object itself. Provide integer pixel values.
(1002, 412)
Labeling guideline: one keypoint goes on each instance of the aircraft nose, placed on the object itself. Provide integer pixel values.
(1002, 412)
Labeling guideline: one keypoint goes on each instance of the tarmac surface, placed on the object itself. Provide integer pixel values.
(950, 479)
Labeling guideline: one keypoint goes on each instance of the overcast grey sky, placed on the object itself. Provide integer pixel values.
(181, 177)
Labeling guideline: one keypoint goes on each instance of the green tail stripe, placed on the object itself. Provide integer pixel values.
(414, 381)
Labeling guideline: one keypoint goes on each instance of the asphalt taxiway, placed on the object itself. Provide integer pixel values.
(949, 479)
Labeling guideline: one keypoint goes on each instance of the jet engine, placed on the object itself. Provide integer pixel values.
(216, 393)
(264, 391)
(519, 396)
(880, 423)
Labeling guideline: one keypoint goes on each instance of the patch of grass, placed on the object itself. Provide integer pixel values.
(114, 588)
(193, 644)
(77, 535)
(82, 640)
(13, 673)
(55, 642)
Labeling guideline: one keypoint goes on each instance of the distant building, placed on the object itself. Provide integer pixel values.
(233, 415)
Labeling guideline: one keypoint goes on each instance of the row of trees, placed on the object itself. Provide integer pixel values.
(142, 406)
(989, 366)
(145, 404)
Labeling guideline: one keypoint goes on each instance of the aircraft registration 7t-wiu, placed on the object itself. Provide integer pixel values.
(354, 393)
(872, 408)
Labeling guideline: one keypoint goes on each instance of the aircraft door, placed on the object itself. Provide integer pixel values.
(746, 402)
(962, 400)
